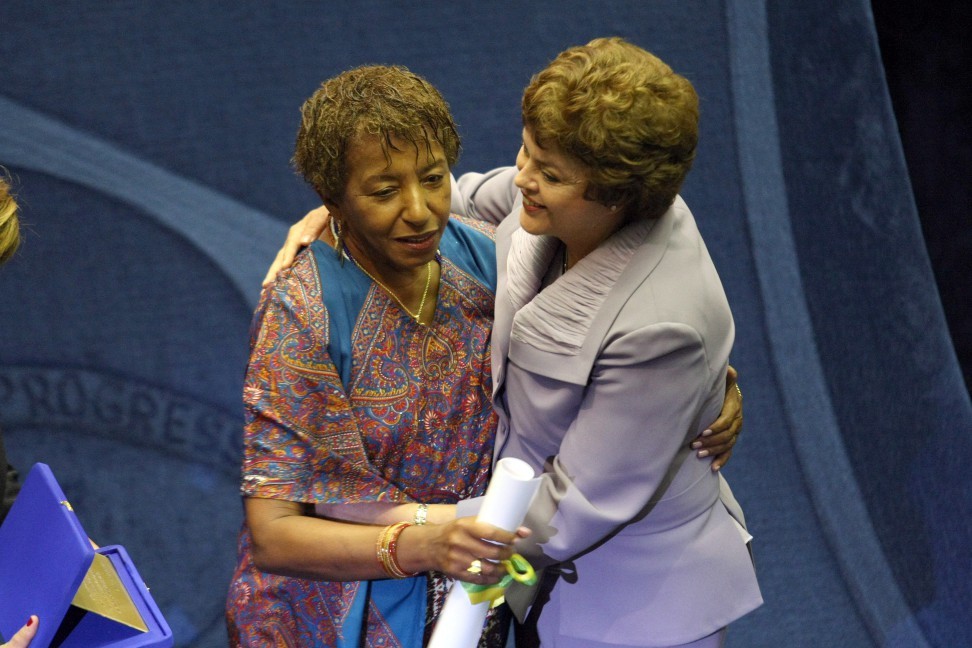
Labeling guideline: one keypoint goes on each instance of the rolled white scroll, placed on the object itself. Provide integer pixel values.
(505, 504)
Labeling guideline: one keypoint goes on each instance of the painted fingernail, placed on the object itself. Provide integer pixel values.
(703, 453)
(696, 445)
(30, 622)
(707, 433)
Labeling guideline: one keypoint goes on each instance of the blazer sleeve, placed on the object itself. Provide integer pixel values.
(625, 444)
(487, 196)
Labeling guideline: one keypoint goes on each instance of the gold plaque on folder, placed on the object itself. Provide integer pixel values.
(103, 593)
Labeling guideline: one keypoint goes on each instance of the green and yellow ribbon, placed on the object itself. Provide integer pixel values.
(517, 569)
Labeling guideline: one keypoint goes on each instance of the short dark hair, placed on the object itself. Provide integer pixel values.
(625, 115)
(386, 101)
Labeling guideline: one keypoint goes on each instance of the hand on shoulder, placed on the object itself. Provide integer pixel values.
(300, 235)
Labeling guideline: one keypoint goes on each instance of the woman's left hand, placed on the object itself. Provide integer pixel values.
(23, 636)
(719, 439)
(300, 235)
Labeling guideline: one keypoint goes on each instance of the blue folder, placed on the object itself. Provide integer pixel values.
(82, 596)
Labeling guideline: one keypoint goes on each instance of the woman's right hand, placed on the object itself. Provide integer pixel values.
(301, 234)
(24, 635)
(457, 547)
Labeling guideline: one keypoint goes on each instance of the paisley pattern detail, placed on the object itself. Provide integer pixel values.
(268, 610)
(414, 424)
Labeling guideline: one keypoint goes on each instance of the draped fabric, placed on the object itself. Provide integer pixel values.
(349, 400)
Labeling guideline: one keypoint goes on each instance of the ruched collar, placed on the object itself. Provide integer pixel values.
(557, 318)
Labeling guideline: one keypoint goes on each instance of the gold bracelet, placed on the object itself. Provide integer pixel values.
(387, 550)
(421, 515)
(382, 549)
(738, 391)
(393, 550)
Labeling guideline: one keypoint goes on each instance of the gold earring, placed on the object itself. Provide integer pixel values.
(338, 235)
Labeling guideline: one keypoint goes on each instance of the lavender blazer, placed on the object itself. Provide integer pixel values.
(601, 383)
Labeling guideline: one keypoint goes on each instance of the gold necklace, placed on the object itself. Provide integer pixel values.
(425, 293)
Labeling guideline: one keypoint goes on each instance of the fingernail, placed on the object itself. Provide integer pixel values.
(30, 622)
(696, 445)
(715, 468)
(707, 433)
(703, 453)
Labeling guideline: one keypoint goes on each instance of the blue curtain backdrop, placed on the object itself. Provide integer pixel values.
(150, 145)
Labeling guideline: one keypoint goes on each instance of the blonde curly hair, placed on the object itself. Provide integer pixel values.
(625, 115)
(377, 100)
(9, 223)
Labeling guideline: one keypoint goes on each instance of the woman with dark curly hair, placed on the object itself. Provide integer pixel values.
(367, 400)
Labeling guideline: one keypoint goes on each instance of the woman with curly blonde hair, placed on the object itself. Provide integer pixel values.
(9, 242)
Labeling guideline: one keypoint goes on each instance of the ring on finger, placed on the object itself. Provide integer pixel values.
(475, 567)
